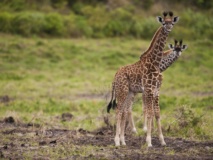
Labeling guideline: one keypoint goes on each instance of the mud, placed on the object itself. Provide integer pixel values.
(17, 139)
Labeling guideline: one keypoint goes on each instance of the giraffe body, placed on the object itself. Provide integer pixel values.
(144, 77)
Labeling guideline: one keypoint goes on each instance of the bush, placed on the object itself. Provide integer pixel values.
(98, 21)
(6, 22)
(83, 26)
(97, 18)
(72, 29)
(26, 23)
(119, 24)
(198, 24)
(187, 123)
(54, 24)
(186, 117)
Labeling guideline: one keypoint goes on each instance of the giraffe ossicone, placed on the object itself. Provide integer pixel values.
(145, 77)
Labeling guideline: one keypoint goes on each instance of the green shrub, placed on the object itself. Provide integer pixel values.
(97, 18)
(197, 23)
(119, 24)
(83, 27)
(187, 123)
(137, 29)
(17, 5)
(54, 24)
(26, 23)
(6, 22)
(72, 29)
(99, 21)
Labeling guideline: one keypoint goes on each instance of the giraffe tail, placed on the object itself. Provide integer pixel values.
(112, 104)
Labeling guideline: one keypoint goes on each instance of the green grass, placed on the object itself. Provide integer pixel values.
(47, 77)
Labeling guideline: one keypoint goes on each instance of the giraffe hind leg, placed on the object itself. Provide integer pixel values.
(127, 105)
(118, 128)
(123, 114)
(120, 116)
(131, 123)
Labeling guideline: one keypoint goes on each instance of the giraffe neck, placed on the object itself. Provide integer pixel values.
(153, 41)
(155, 50)
(169, 57)
(154, 54)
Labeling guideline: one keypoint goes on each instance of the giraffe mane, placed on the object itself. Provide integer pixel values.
(152, 42)
(167, 52)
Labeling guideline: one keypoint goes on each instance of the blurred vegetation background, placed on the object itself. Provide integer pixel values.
(59, 56)
(103, 18)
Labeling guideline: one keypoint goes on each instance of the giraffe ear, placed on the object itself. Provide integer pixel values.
(184, 47)
(159, 19)
(170, 46)
(175, 19)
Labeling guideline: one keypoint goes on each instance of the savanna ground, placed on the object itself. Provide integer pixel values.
(54, 94)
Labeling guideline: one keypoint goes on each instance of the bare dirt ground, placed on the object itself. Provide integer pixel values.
(19, 140)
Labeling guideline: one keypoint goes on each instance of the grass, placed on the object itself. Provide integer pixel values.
(47, 77)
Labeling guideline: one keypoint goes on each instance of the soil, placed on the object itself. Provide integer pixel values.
(18, 138)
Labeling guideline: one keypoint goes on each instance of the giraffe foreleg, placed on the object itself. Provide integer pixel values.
(144, 114)
(130, 117)
(148, 102)
(157, 116)
(131, 121)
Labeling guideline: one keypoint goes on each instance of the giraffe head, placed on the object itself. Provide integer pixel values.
(178, 48)
(167, 21)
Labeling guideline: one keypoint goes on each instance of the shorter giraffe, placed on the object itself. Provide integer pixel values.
(170, 56)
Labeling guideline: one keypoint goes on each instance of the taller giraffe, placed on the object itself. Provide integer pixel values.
(142, 77)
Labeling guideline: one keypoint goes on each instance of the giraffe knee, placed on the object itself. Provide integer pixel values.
(157, 115)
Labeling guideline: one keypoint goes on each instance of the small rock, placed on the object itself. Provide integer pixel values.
(53, 142)
(4, 99)
(5, 147)
(82, 131)
(100, 133)
(25, 145)
(66, 116)
(207, 148)
(9, 120)
(1, 154)
(42, 143)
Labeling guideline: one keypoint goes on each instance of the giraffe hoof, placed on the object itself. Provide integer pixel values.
(134, 130)
(117, 141)
(149, 145)
(117, 145)
(123, 144)
(163, 144)
(145, 129)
